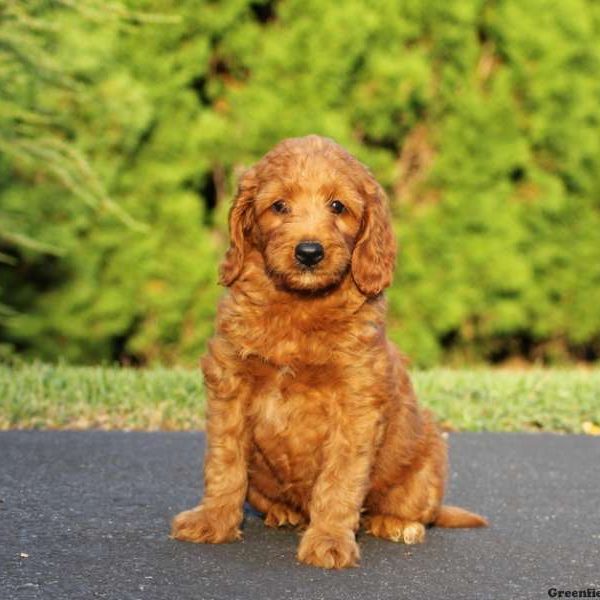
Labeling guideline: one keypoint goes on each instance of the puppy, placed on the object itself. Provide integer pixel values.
(311, 416)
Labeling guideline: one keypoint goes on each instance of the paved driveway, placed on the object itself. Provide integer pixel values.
(86, 515)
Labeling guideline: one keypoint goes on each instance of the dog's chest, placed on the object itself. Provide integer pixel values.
(291, 415)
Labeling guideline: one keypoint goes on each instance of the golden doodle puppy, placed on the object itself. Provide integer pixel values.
(311, 415)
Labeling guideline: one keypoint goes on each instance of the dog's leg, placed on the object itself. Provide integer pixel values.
(400, 512)
(338, 494)
(266, 494)
(220, 513)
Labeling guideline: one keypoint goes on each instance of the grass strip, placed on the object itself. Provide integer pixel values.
(42, 396)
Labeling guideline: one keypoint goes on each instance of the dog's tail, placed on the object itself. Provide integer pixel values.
(453, 516)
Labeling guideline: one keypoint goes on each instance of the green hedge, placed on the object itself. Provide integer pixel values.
(481, 119)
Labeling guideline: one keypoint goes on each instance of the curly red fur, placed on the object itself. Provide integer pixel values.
(311, 415)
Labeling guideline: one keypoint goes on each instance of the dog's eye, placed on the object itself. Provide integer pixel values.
(280, 207)
(337, 207)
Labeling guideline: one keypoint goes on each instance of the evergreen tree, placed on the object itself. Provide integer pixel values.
(123, 129)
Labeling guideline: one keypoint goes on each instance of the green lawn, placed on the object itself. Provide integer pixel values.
(44, 396)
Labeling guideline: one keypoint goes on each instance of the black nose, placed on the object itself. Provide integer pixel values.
(309, 253)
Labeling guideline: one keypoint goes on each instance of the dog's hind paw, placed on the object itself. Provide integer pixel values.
(395, 529)
(280, 515)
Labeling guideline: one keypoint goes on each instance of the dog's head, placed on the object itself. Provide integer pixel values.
(317, 215)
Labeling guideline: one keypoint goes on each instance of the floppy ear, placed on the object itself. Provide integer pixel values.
(240, 224)
(375, 251)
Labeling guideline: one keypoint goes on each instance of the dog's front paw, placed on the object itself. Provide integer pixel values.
(207, 525)
(328, 549)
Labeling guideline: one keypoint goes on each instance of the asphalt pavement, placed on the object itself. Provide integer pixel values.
(86, 515)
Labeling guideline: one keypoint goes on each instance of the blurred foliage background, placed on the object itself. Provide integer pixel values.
(123, 128)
